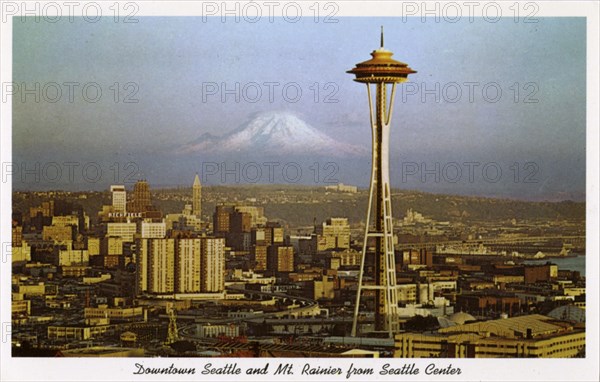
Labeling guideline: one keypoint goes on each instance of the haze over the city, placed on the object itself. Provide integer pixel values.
(186, 72)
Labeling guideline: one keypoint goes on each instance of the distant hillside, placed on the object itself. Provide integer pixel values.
(300, 205)
(304, 204)
(438, 207)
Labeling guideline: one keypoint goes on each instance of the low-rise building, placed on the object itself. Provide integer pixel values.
(117, 313)
(77, 332)
(533, 336)
(208, 330)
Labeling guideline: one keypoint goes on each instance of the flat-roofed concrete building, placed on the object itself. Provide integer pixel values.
(334, 233)
(280, 258)
(124, 230)
(532, 336)
(119, 198)
(115, 313)
(57, 233)
(111, 246)
(153, 230)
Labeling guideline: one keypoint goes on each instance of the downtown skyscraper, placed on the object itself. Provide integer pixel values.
(180, 265)
(197, 197)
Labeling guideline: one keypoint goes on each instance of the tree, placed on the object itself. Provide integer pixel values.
(183, 346)
(421, 324)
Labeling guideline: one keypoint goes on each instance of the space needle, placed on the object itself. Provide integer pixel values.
(381, 71)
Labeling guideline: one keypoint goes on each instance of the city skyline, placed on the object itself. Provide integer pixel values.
(172, 61)
(143, 260)
(161, 217)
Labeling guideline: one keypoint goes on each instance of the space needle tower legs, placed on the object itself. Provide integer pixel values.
(380, 71)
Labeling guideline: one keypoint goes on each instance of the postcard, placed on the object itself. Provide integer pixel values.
(327, 190)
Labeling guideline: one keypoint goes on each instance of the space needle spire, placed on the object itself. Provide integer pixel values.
(380, 71)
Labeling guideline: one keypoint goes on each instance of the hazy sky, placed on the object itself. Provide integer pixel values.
(172, 60)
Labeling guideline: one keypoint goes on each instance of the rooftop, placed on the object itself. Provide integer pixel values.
(512, 327)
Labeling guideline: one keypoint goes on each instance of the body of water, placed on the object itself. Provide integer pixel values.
(564, 263)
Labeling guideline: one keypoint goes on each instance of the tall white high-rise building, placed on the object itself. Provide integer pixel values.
(161, 261)
(155, 266)
(181, 265)
(119, 198)
(213, 264)
(187, 265)
(197, 197)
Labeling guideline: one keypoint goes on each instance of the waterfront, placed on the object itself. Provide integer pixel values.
(564, 263)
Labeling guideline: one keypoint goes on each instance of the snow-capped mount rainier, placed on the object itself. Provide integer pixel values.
(273, 133)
